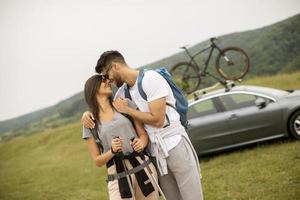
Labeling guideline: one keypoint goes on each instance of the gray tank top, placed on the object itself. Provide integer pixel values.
(119, 126)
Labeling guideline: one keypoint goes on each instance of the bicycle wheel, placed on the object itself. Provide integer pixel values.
(232, 63)
(185, 75)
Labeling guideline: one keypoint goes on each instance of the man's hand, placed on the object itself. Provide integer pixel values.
(121, 105)
(87, 120)
(138, 145)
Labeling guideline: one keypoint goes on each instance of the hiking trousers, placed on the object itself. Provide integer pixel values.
(183, 179)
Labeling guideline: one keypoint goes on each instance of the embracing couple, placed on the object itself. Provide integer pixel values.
(139, 137)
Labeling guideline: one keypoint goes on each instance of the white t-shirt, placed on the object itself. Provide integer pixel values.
(155, 86)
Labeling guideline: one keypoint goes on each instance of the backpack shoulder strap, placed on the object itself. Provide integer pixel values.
(94, 132)
(127, 93)
(140, 87)
(139, 82)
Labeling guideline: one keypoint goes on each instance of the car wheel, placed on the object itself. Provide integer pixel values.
(294, 125)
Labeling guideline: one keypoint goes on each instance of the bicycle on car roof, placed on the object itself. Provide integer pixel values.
(231, 63)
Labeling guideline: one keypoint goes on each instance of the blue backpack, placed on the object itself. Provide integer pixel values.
(181, 105)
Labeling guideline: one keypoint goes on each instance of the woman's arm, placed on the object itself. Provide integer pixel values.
(141, 142)
(102, 159)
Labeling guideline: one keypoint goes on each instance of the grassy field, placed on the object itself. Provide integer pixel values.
(55, 164)
(50, 165)
(280, 81)
(269, 171)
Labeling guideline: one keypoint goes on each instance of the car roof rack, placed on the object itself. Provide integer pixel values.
(228, 84)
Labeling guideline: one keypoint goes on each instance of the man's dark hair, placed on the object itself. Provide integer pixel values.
(107, 58)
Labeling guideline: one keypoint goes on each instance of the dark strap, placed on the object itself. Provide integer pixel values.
(140, 88)
(110, 163)
(117, 176)
(138, 169)
(127, 93)
(142, 178)
(139, 82)
(94, 132)
(122, 182)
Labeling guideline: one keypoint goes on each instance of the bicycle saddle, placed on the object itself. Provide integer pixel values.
(213, 39)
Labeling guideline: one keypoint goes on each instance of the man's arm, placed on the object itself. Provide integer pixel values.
(87, 120)
(155, 116)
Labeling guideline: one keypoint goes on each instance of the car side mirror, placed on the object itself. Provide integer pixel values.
(260, 103)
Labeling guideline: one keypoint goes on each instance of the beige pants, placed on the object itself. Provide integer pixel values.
(113, 187)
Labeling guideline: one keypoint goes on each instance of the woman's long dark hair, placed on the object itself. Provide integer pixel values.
(91, 87)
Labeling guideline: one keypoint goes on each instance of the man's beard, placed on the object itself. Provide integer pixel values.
(118, 81)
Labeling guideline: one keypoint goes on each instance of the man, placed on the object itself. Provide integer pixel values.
(179, 171)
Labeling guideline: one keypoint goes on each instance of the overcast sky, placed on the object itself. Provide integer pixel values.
(48, 48)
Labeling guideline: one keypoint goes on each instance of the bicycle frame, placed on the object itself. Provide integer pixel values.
(203, 72)
(212, 47)
(224, 59)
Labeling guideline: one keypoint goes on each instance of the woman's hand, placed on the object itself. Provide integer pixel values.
(138, 145)
(87, 120)
(116, 145)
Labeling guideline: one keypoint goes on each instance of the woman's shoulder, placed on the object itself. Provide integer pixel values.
(119, 115)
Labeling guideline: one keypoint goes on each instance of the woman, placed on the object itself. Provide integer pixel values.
(122, 145)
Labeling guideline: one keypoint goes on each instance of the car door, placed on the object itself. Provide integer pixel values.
(248, 122)
(208, 127)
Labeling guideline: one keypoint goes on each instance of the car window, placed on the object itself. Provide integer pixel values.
(237, 101)
(202, 108)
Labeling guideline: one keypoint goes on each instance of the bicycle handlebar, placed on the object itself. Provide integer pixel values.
(184, 47)
(211, 40)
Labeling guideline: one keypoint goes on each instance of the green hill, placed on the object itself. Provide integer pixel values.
(64, 112)
(272, 50)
